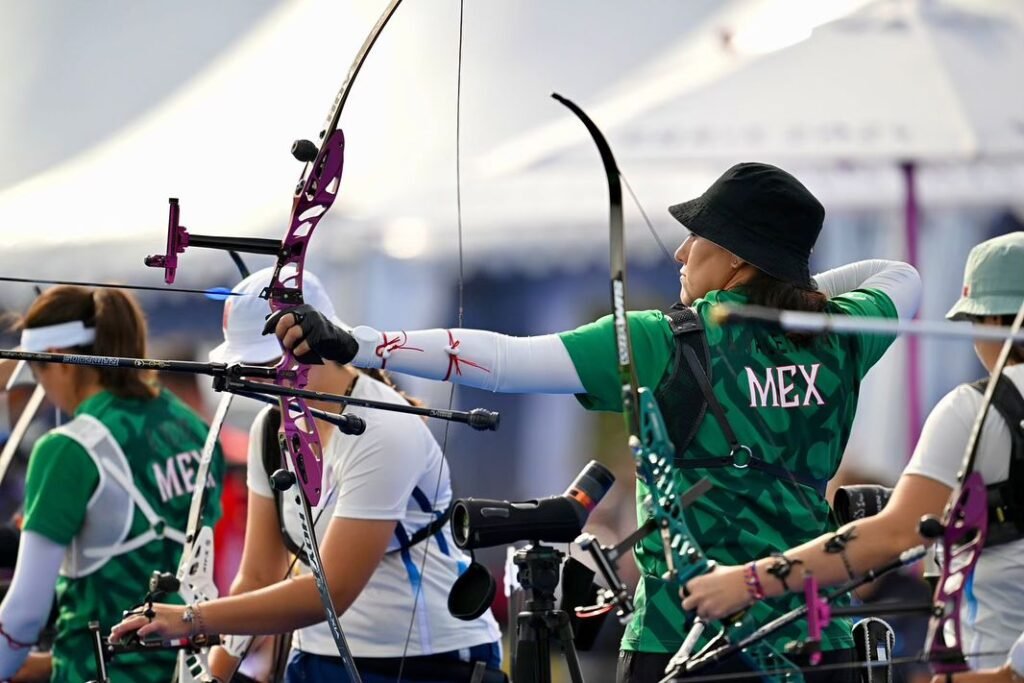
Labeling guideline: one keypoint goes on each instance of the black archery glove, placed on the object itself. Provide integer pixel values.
(325, 339)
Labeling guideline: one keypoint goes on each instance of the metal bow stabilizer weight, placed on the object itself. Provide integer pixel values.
(237, 380)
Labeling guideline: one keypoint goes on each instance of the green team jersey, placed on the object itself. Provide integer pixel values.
(162, 440)
(792, 405)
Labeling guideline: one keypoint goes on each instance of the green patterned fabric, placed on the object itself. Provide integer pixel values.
(162, 439)
(792, 405)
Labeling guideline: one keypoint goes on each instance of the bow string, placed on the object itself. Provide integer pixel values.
(460, 318)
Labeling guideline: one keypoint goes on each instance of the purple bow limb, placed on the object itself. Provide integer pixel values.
(314, 196)
(962, 541)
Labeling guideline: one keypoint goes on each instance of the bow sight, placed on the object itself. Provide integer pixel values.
(179, 239)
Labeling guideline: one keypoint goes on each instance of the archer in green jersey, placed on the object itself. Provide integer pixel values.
(789, 399)
(107, 494)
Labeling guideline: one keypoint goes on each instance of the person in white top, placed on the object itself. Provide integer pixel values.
(994, 609)
(381, 487)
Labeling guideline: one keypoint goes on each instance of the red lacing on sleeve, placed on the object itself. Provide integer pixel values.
(385, 348)
(11, 642)
(454, 360)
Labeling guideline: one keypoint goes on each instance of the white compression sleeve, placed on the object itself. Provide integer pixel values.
(27, 603)
(899, 281)
(476, 358)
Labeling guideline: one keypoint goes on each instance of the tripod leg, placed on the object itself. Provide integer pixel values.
(533, 650)
(569, 648)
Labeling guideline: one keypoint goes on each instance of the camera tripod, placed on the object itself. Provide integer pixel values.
(539, 567)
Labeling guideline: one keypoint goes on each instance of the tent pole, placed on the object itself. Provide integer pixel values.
(912, 234)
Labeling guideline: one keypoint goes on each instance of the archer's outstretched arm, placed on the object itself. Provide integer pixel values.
(476, 358)
(833, 558)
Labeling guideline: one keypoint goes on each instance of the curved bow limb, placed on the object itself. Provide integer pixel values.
(314, 195)
(649, 442)
(28, 413)
(195, 569)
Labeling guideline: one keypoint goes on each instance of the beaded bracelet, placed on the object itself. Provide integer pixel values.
(754, 587)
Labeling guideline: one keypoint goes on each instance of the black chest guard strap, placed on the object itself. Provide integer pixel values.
(686, 394)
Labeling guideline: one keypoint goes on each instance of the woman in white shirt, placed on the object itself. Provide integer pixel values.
(993, 615)
(380, 488)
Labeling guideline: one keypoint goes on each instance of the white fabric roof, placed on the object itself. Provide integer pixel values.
(897, 80)
(220, 142)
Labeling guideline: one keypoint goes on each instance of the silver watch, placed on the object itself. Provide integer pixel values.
(189, 617)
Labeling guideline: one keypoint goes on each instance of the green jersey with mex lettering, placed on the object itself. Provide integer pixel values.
(792, 404)
(161, 439)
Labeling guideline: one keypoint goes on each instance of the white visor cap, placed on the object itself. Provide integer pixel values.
(245, 316)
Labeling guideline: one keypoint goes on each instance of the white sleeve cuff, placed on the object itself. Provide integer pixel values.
(899, 281)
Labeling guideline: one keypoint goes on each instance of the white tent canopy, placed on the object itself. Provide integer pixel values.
(898, 80)
(840, 106)
(220, 142)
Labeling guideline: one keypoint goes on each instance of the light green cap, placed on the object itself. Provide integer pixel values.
(993, 279)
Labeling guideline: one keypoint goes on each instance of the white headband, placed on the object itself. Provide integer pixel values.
(60, 336)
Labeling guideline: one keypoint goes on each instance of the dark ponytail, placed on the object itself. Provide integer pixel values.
(770, 292)
(120, 331)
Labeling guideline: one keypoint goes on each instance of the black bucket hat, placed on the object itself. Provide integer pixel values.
(763, 215)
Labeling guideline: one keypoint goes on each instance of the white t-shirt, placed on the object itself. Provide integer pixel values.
(993, 615)
(372, 476)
